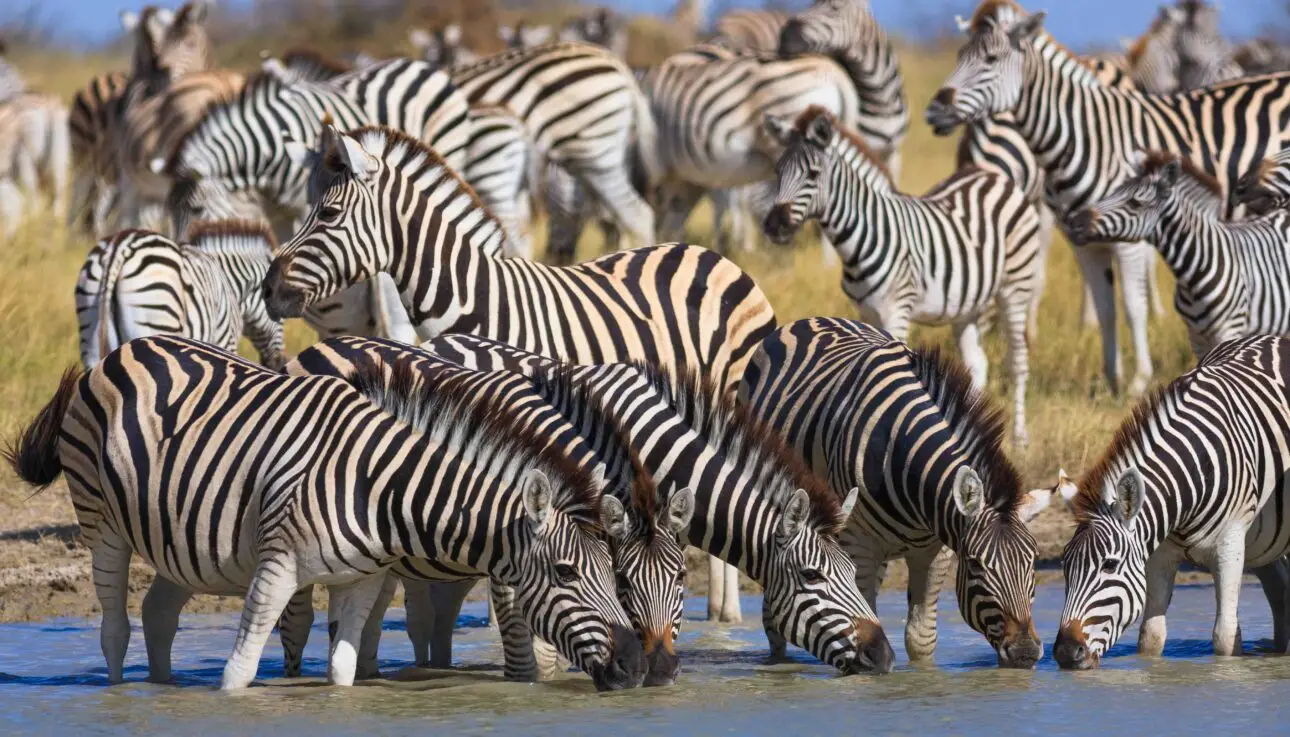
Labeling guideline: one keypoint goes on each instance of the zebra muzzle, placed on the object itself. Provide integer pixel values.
(873, 650)
(281, 299)
(1020, 647)
(1071, 649)
(660, 656)
(625, 666)
(1079, 226)
(941, 114)
(778, 226)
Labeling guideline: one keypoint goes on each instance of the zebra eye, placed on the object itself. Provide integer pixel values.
(812, 575)
(975, 568)
(565, 573)
(680, 577)
(1110, 565)
(991, 58)
(329, 213)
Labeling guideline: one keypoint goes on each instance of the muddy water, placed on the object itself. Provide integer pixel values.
(52, 681)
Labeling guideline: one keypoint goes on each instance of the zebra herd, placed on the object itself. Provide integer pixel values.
(566, 429)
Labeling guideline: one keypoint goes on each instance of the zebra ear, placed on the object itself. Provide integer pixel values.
(452, 34)
(969, 494)
(849, 503)
(356, 160)
(964, 26)
(1035, 502)
(779, 129)
(1125, 499)
(1168, 177)
(538, 496)
(157, 165)
(598, 476)
(613, 517)
(129, 20)
(1026, 29)
(796, 514)
(1065, 486)
(680, 508)
(819, 132)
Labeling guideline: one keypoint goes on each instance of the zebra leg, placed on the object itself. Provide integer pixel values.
(870, 561)
(1153, 290)
(968, 336)
(10, 208)
(445, 600)
(1228, 567)
(349, 606)
(519, 663)
(83, 194)
(778, 645)
(368, 666)
(1162, 569)
(111, 565)
(614, 190)
(1095, 265)
(1136, 261)
(1088, 307)
(1044, 237)
(161, 607)
(927, 570)
(1274, 579)
(1018, 320)
(420, 617)
(676, 200)
(723, 591)
(105, 204)
(274, 583)
(58, 162)
(293, 630)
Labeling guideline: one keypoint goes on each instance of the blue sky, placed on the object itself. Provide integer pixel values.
(1078, 23)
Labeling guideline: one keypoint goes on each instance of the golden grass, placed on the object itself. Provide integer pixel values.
(1070, 412)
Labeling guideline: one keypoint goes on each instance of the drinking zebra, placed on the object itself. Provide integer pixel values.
(1197, 472)
(140, 283)
(907, 427)
(744, 478)
(459, 483)
(1083, 131)
(1232, 276)
(617, 307)
(946, 257)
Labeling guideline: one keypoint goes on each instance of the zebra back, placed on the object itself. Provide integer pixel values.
(752, 29)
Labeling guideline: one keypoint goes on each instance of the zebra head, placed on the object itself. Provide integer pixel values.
(1267, 186)
(996, 571)
(827, 27)
(989, 76)
(811, 595)
(1105, 567)
(649, 563)
(564, 585)
(1132, 212)
(169, 43)
(805, 170)
(1153, 60)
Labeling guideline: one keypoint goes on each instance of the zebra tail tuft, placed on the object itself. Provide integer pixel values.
(33, 455)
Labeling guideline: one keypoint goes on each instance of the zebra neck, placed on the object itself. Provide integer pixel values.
(859, 213)
(1198, 246)
(871, 64)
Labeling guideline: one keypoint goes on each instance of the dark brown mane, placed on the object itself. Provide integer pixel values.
(205, 229)
(1155, 160)
(1088, 499)
(976, 419)
(395, 138)
(452, 406)
(985, 12)
(748, 442)
(810, 114)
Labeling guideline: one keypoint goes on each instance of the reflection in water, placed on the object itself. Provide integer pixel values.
(52, 678)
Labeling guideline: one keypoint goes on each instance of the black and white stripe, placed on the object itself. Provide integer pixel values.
(906, 426)
(749, 29)
(94, 110)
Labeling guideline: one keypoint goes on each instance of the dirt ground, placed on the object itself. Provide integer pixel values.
(45, 571)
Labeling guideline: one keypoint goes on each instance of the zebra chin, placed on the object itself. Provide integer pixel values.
(282, 300)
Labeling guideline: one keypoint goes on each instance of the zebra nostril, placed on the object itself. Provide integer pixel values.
(945, 96)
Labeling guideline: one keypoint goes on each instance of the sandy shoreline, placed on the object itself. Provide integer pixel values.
(45, 571)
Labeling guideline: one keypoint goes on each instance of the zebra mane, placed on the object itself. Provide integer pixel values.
(561, 382)
(232, 235)
(814, 112)
(749, 443)
(1156, 160)
(313, 65)
(986, 14)
(975, 419)
(414, 158)
(506, 56)
(451, 412)
(1088, 498)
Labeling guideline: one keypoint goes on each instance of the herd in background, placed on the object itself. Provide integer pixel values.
(566, 429)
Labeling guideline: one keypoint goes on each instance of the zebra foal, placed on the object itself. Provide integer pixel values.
(945, 257)
(170, 433)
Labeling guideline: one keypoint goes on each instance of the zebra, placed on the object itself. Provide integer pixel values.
(583, 111)
(600, 26)
(847, 31)
(442, 47)
(1232, 276)
(265, 513)
(708, 102)
(1266, 187)
(524, 35)
(598, 311)
(747, 29)
(11, 82)
(94, 109)
(946, 257)
(1083, 132)
(33, 142)
(685, 428)
(1185, 477)
(139, 283)
(1172, 57)
(647, 552)
(907, 426)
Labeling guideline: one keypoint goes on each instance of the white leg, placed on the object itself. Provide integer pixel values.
(111, 566)
(731, 611)
(1087, 307)
(421, 618)
(348, 610)
(1153, 289)
(927, 572)
(1095, 265)
(1136, 261)
(10, 208)
(273, 585)
(1228, 567)
(1045, 240)
(1017, 319)
(547, 657)
(293, 630)
(968, 336)
(161, 607)
(1162, 569)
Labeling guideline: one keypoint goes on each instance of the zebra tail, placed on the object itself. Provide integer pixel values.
(34, 453)
(647, 140)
